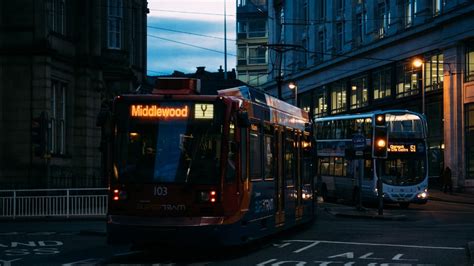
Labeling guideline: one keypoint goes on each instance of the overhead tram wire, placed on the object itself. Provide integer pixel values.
(191, 45)
(187, 32)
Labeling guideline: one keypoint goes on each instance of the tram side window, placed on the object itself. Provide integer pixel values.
(289, 157)
(230, 173)
(269, 157)
(255, 156)
(306, 162)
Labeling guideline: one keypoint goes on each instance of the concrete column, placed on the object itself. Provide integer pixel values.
(453, 114)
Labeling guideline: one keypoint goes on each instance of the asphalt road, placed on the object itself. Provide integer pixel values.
(437, 233)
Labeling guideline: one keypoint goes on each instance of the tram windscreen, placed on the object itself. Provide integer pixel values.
(181, 149)
(403, 172)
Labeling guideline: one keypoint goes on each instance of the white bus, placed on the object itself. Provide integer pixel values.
(404, 171)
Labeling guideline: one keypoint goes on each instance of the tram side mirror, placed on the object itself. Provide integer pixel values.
(243, 119)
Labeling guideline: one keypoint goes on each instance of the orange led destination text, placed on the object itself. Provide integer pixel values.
(155, 111)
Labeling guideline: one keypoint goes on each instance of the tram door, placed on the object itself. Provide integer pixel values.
(298, 176)
(289, 173)
(279, 180)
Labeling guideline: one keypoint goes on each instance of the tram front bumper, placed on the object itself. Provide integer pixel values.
(151, 230)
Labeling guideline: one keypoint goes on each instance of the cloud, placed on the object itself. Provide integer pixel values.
(180, 52)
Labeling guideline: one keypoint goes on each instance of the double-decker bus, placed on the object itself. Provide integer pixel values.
(404, 171)
(190, 169)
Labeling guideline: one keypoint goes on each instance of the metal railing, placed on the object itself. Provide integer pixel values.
(74, 202)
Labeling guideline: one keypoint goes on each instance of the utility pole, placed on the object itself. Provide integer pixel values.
(225, 40)
(281, 49)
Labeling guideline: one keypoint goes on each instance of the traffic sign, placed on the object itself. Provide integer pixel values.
(358, 142)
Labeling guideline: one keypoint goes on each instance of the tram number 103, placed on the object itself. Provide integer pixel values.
(160, 191)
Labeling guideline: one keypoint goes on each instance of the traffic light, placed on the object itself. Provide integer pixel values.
(39, 134)
(380, 139)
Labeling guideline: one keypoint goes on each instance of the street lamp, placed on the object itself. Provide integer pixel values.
(292, 85)
(417, 62)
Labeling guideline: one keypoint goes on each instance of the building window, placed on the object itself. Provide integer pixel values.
(114, 24)
(359, 93)
(257, 55)
(241, 55)
(360, 28)
(339, 7)
(257, 28)
(304, 101)
(57, 16)
(383, 17)
(470, 62)
(434, 75)
(321, 44)
(410, 10)
(408, 80)
(434, 118)
(382, 83)
(58, 118)
(339, 36)
(320, 102)
(321, 9)
(438, 6)
(338, 97)
(253, 78)
(469, 137)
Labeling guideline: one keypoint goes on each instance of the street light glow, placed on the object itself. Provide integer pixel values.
(292, 85)
(417, 62)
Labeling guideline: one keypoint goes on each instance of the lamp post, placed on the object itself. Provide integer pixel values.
(292, 86)
(419, 63)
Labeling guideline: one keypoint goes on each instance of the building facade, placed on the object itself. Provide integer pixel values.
(59, 59)
(252, 37)
(353, 56)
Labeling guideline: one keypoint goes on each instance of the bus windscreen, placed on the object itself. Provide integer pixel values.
(183, 146)
(403, 172)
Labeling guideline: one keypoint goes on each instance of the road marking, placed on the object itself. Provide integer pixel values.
(313, 243)
(88, 261)
(266, 262)
(129, 253)
(376, 244)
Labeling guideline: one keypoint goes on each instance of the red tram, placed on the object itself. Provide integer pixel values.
(227, 168)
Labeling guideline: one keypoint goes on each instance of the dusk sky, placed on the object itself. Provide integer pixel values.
(175, 35)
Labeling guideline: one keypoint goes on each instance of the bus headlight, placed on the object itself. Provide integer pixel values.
(422, 195)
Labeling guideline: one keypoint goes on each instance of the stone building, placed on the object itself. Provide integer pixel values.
(352, 56)
(252, 36)
(60, 59)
